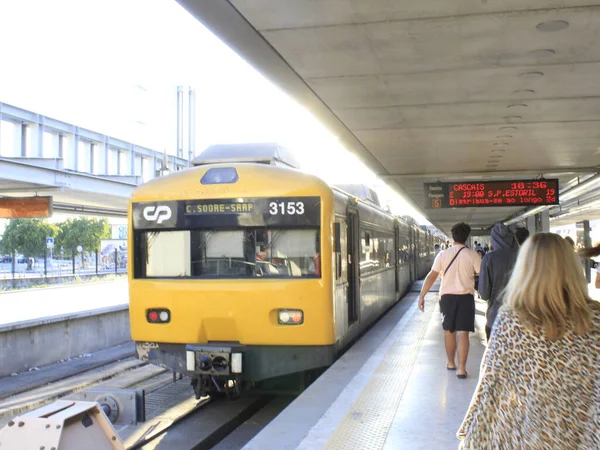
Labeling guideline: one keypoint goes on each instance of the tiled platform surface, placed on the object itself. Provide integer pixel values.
(391, 390)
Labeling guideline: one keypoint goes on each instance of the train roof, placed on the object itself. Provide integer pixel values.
(362, 192)
(263, 153)
(260, 153)
(250, 181)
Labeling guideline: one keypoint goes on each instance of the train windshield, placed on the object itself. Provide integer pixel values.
(241, 253)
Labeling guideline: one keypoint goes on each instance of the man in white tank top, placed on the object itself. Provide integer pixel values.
(458, 266)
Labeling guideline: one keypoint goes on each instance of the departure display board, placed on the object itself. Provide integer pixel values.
(491, 193)
(218, 207)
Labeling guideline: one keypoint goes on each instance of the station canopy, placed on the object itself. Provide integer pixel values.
(436, 91)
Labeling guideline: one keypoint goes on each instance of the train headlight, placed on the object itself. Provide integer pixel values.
(290, 317)
(220, 175)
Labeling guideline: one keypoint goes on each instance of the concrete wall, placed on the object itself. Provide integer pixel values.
(37, 342)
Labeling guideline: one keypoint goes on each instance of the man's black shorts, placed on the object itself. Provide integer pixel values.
(458, 312)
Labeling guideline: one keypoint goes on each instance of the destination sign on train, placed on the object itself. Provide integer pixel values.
(219, 208)
(227, 213)
(491, 193)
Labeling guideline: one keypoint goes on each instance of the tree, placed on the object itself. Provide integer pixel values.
(27, 236)
(84, 232)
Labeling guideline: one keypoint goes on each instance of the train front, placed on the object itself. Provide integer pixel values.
(231, 274)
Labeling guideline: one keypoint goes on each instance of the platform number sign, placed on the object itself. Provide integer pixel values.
(49, 242)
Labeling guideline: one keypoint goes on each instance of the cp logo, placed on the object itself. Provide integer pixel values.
(157, 214)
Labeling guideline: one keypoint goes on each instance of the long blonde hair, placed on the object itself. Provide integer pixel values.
(547, 288)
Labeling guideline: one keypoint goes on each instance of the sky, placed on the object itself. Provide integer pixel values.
(113, 66)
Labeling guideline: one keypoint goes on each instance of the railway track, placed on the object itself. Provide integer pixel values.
(174, 419)
(215, 423)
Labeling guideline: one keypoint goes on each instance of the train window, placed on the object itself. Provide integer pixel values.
(288, 253)
(378, 253)
(167, 254)
(221, 254)
(337, 249)
(404, 248)
(242, 253)
(389, 252)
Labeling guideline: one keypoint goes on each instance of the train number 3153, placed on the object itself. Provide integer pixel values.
(289, 208)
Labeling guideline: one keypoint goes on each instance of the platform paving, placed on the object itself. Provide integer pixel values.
(30, 304)
(390, 390)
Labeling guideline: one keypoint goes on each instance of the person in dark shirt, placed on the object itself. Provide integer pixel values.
(520, 235)
(496, 268)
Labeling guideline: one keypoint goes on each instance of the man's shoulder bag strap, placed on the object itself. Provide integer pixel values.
(455, 256)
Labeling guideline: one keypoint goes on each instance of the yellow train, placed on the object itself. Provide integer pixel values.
(247, 271)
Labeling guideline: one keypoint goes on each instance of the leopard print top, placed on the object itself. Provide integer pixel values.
(534, 393)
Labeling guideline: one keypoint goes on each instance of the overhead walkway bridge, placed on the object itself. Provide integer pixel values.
(83, 170)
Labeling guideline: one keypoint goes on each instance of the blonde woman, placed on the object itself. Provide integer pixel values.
(539, 385)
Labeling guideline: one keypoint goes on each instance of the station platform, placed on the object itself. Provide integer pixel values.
(39, 303)
(390, 390)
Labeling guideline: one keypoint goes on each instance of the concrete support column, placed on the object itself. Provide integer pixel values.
(61, 146)
(141, 171)
(131, 155)
(93, 165)
(118, 152)
(24, 143)
(584, 240)
(180, 120)
(542, 222)
(191, 125)
(105, 156)
(531, 224)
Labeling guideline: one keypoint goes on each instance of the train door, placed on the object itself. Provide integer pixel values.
(411, 259)
(397, 258)
(415, 254)
(353, 265)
